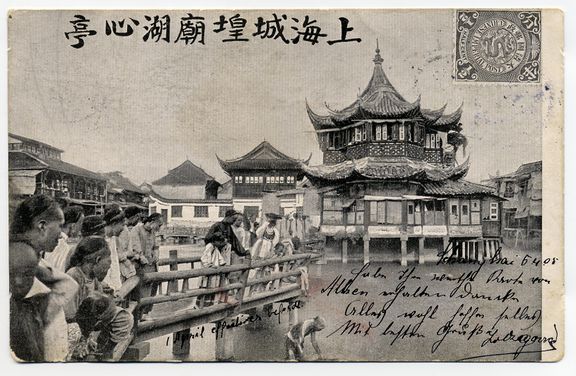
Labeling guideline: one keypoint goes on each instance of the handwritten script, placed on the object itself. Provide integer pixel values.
(453, 309)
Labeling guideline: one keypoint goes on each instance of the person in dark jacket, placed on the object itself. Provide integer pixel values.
(222, 233)
(220, 241)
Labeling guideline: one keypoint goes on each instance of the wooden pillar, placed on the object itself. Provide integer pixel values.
(490, 252)
(181, 342)
(445, 245)
(225, 344)
(344, 251)
(404, 216)
(293, 317)
(366, 249)
(136, 351)
(480, 246)
(421, 250)
(404, 251)
(173, 285)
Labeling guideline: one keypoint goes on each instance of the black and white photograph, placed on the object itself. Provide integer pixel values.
(285, 185)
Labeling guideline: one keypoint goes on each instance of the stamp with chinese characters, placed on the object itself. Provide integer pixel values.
(498, 46)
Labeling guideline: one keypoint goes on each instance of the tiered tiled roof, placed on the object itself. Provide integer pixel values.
(380, 100)
(385, 168)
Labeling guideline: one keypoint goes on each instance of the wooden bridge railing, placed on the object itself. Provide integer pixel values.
(208, 295)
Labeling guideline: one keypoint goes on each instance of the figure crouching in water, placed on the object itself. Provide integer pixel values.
(298, 333)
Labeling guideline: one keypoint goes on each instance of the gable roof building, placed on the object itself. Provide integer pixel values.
(188, 199)
(186, 182)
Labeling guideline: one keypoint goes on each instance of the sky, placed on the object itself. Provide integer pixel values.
(142, 108)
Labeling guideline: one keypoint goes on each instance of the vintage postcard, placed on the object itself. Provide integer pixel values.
(286, 185)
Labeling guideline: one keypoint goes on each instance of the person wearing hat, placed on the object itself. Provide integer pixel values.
(114, 218)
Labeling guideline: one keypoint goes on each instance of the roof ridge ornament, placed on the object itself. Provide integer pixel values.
(378, 59)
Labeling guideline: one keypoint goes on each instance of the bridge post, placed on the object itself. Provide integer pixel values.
(293, 317)
(136, 352)
(181, 342)
(139, 350)
(344, 251)
(421, 250)
(403, 250)
(224, 344)
(366, 248)
(173, 285)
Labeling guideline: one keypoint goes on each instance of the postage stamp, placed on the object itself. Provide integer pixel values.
(498, 46)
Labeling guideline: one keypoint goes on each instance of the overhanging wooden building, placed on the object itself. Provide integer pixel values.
(37, 168)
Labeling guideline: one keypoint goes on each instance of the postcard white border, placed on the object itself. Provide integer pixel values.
(566, 367)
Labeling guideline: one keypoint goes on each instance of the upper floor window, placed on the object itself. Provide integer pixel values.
(201, 211)
(177, 211)
(493, 211)
(386, 212)
(378, 133)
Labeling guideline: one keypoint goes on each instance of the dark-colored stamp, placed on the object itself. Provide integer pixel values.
(497, 46)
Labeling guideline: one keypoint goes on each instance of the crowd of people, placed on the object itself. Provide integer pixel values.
(230, 241)
(68, 274)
